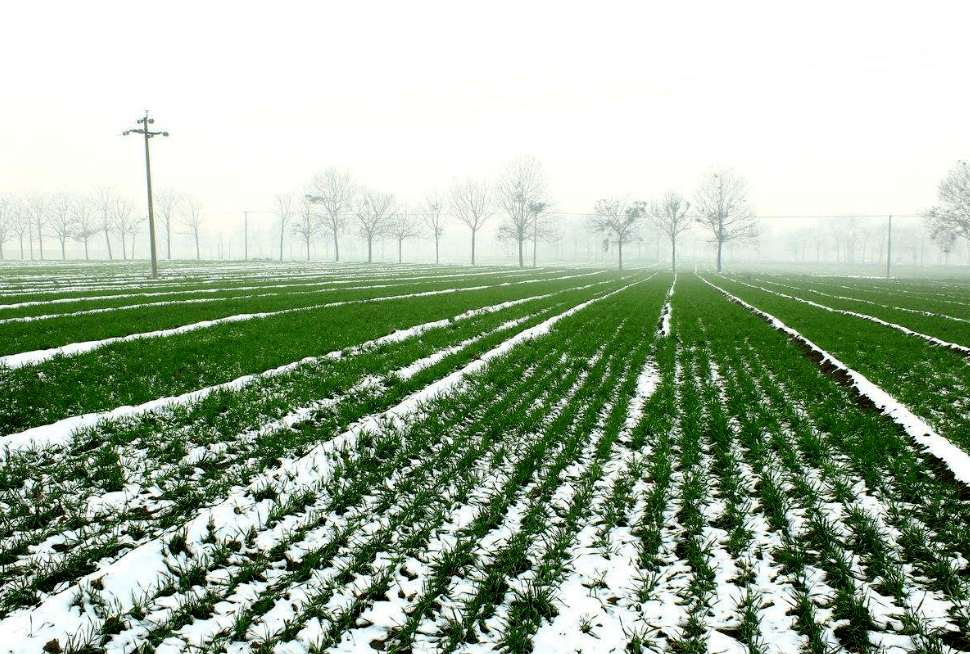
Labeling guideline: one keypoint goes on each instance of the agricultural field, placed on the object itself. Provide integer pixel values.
(298, 458)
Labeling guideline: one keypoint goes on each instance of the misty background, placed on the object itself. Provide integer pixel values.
(836, 116)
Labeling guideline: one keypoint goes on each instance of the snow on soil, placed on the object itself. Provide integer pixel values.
(665, 315)
(60, 432)
(920, 312)
(39, 356)
(126, 579)
(331, 280)
(955, 459)
(962, 349)
(293, 289)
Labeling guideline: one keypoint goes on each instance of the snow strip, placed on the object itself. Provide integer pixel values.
(25, 631)
(39, 356)
(648, 379)
(892, 307)
(955, 459)
(291, 284)
(60, 432)
(664, 330)
(449, 383)
(962, 349)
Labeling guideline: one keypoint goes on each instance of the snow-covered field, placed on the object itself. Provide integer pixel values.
(309, 458)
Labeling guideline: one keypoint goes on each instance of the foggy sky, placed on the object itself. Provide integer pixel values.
(823, 107)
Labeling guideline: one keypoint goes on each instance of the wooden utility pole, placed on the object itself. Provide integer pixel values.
(145, 122)
(889, 246)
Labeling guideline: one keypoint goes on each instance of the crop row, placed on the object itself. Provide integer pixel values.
(135, 372)
(933, 381)
(343, 516)
(93, 325)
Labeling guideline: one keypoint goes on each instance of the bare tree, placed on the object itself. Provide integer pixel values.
(952, 215)
(818, 238)
(669, 216)
(104, 202)
(37, 205)
(471, 203)
(721, 205)
(617, 219)
(138, 222)
(167, 206)
(542, 229)
(6, 222)
(434, 219)
(86, 223)
(374, 211)
(946, 240)
(334, 189)
(62, 219)
(306, 224)
(521, 193)
(19, 221)
(124, 221)
(192, 219)
(846, 232)
(404, 225)
(284, 203)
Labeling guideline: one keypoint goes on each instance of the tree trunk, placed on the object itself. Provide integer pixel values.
(107, 240)
(168, 240)
(63, 249)
(198, 253)
(308, 246)
(620, 252)
(473, 247)
(336, 246)
(399, 242)
(124, 251)
(535, 244)
(21, 248)
(720, 244)
(521, 260)
(86, 258)
(40, 241)
(370, 250)
(436, 250)
(282, 229)
(673, 255)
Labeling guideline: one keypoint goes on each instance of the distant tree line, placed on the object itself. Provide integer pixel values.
(103, 214)
(332, 203)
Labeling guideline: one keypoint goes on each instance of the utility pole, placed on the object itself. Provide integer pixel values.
(889, 246)
(145, 122)
(246, 235)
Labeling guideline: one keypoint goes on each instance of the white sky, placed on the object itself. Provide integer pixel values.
(822, 106)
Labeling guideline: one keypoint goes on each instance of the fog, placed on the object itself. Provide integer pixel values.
(830, 113)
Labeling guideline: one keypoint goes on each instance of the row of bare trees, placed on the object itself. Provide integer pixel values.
(333, 200)
(721, 207)
(103, 213)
